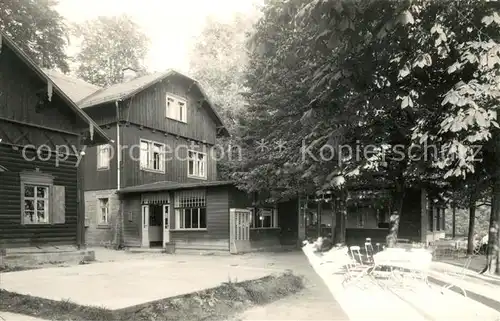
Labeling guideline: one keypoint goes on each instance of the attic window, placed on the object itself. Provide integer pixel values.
(176, 108)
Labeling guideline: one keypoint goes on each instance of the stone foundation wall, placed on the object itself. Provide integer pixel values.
(102, 234)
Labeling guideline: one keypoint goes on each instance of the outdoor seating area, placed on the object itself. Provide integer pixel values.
(397, 281)
(406, 265)
(377, 265)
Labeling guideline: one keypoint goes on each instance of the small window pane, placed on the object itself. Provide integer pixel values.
(195, 216)
(42, 192)
(187, 218)
(266, 221)
(29, 217)
(29, 205)
(40, 205)
(191, 167)
(41, 216)
(203, 217)
(29, 191)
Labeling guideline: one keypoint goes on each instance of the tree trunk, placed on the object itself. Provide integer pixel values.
(492, 254)
(472, 222)
(397, 208)
(340, 219)
(454, 217)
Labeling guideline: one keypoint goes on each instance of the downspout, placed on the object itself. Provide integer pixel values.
(118, 147)
(119, 220)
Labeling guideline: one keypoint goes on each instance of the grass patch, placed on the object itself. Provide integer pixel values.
(212, 304)
(7, 268)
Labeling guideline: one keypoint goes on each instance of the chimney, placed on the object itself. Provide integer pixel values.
(129, 74)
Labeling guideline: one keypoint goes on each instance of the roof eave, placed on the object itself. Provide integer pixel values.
(152, 188)
(220, 124)
(24, 57)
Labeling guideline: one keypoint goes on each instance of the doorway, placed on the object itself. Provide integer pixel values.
(155, 225)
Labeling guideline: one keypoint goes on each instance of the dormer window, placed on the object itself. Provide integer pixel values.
(176, 108)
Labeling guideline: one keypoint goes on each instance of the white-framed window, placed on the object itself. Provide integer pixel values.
(42, 202)
(197, 164)
(103, 156)
(36, 199)
(264, 217)
(103, 211)
(152, 156)
(176, 108)
(190, 210)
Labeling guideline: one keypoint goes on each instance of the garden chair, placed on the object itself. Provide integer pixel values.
(356, 270)
(454, 278)
(369, 251)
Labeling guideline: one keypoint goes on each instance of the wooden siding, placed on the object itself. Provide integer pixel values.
(18, 99)
(175, 168)
(101, 179)
(12, 232)
(148, 108)
(216, 237)
(132, 220)
(102, 114)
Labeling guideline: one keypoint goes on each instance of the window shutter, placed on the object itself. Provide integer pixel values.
(58, 204)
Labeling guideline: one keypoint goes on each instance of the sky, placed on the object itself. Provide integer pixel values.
(171, 25)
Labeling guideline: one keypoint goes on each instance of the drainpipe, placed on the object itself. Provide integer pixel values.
(119, 223)
(118, 152)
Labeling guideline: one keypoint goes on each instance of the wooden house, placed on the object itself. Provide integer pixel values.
(43, 135)
(157, 184)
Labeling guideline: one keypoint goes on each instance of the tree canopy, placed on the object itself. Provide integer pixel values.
(109, 45)
(386, 77)
(38, 29)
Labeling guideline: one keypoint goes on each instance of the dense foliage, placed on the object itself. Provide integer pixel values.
(109, 45)
(38, 29)
(390, 77)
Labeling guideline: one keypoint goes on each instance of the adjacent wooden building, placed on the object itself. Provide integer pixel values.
(368, 216)
(42, 135)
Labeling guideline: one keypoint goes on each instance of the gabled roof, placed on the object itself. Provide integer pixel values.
(123, 91)
(98, 132)
(170, 186)
(75, 88)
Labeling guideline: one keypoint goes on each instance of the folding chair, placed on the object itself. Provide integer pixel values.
(454, 277)
(369, 251)
(356, 271)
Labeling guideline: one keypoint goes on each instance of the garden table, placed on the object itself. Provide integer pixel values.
(415, 261)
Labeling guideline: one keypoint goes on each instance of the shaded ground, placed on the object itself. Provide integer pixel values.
(477, 264)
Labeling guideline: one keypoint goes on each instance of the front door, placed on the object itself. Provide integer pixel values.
(145, 226)
(166, 224)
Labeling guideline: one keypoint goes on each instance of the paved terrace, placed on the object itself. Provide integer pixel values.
(419, 303)
(315, 302)
(121, 284)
